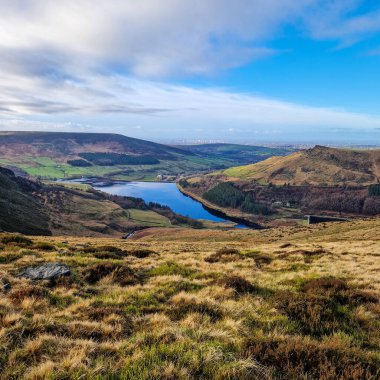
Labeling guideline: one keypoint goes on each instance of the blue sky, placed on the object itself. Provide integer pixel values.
(249, 71)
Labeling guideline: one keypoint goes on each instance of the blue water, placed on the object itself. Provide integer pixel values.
(166, 194)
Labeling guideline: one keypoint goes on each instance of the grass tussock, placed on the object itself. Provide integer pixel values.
(160, 309)
(119, 274)
(239, 284)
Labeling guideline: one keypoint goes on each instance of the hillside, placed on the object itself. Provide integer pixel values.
(59, 155)
(317, 166)
(282, 190)
(20, 210)
(290, 303)
(236, 154)
(35, 209)
(51, 155)
(62, 144)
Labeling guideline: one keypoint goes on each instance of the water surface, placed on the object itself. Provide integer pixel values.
(164, 193)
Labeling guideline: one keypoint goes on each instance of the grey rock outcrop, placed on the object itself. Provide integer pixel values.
(46, 271)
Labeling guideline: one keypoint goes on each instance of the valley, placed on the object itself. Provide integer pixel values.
(34, 208)
(189, 190)
(101, 279)
(52, 155)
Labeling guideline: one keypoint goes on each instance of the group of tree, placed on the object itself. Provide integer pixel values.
(112, 159)
(225, 194)
(374, 190)
(175, 219)
(80, 163)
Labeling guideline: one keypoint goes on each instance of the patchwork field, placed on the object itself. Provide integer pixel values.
(50, 155)
(183, 304)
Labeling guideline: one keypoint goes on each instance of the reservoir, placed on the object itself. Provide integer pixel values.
(166, 194)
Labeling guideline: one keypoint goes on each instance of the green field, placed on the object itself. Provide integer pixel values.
(48, 156)
(149, 218)
(47, 168)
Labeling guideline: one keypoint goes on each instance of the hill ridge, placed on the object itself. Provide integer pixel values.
(319, 165)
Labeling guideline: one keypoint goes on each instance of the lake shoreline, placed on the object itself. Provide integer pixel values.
(218, 212)
(102, 184)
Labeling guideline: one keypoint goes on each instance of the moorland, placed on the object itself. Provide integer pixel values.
(282, 190)
(52, 155)
(285, 303)
(96, 286)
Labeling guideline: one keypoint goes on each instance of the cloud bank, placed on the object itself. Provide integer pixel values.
(86, 62)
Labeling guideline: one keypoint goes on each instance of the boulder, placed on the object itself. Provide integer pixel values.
(46, 271)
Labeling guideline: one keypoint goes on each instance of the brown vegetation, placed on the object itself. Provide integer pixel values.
(153, 307)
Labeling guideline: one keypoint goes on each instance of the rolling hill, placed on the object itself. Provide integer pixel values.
(61, 144)
(51, 155)
(236, 154)
(58, 155)
(35, 209)
(321, 180)
(317, 166)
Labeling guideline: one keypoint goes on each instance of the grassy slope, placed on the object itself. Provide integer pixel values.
(221, 305)
(82, 215)
(309, 170)
(20, 211)
(45, 155)
(30, 208)
(316, 166)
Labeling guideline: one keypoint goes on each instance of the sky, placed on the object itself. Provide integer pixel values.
(246, 71)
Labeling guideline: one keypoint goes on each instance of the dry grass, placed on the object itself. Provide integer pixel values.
(281, 304)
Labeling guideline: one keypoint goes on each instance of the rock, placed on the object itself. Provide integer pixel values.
(6, 287)
(46, 271)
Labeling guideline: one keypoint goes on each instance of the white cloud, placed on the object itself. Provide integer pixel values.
(89, 61)
(152, 109)
(146, 37)
(337, 20)
(159, 38)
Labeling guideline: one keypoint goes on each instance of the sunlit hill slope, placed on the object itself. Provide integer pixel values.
(317, 166)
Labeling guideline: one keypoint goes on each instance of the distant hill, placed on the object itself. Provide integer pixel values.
(51, 155)
(55, 144)
(237, 154)
(317, 166)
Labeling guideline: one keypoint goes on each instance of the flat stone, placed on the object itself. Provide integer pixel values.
(46, 271)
